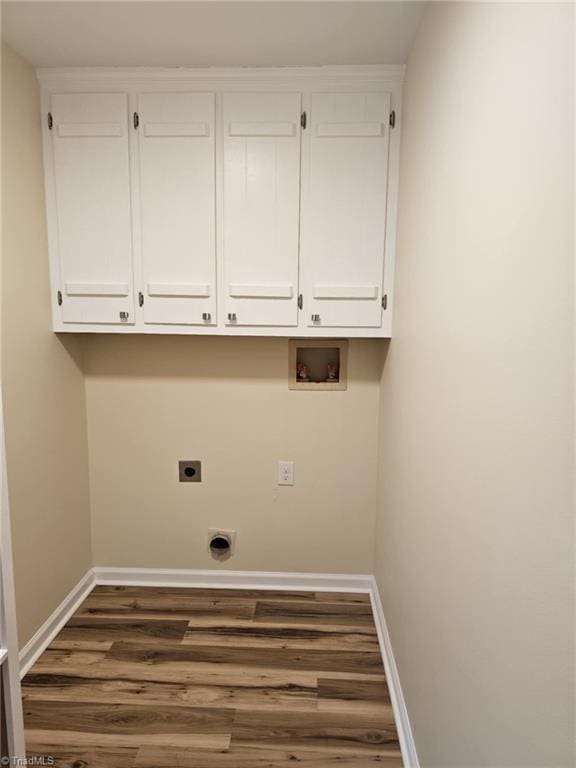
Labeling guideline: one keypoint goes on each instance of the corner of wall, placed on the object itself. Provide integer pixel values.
(42, 378)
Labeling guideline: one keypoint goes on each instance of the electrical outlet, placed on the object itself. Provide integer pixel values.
(285, 473)
(190, 471)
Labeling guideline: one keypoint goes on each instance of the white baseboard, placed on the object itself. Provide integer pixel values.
(159, 577)
(54, 623)
(311, 582)
(405, 736)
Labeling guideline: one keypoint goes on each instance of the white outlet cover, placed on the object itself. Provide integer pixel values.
(285, 473)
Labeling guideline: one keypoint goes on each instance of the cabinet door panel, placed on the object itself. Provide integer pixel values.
(177, 207)
(261, 207)
(345, 209)
(92, 192)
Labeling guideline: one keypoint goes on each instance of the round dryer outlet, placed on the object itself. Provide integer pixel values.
(221, 544)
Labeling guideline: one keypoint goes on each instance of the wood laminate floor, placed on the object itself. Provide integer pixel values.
(144, 677)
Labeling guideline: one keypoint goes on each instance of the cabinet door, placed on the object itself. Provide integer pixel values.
(177, 207)
(261, 207)
(92, 194)
(344, 206)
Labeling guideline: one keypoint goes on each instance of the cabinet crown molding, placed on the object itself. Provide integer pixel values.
(136, 77)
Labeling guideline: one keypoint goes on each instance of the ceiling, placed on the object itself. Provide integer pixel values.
(210, 33)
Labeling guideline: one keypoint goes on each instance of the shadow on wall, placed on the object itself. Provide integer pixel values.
(209, 357)
(75, 346)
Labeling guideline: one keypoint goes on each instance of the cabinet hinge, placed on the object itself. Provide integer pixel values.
(140, 299)
(384, 301)
(50, 121)
(59, 298)
(392, 119)
(300, 301)
(136, 119)
(303, 120)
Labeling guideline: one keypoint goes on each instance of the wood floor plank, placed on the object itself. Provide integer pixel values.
(77, 723)
(79, 645)
(249, 757)
(82, 757)
(211, 593)
(84, 739)
(88, 665)
(268, 658)
(92, 689)
(165, 607)
(91, 629)
(320, 731)
(355, 696)
(54, 659)
(272, 635)
(305, 612)
(341, 597)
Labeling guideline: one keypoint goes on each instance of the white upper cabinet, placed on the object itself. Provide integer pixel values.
(222, 201)
(345, 182)
(261, 157)
(177, 207)
(90, 221)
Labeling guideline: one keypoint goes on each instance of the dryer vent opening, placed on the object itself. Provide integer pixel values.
(220, 546)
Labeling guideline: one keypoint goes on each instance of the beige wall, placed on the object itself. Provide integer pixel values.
(474, 555)
(43, 386)
(154, 400)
